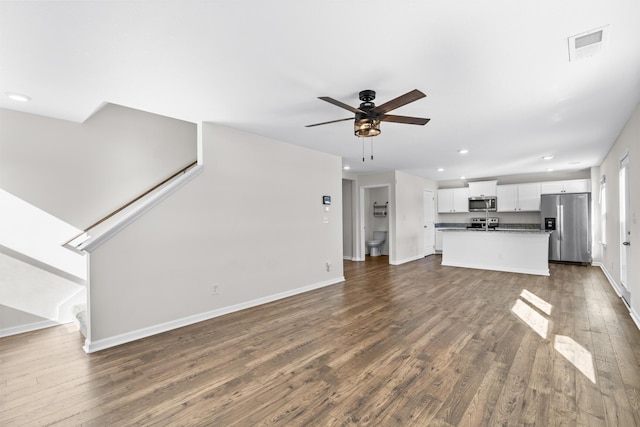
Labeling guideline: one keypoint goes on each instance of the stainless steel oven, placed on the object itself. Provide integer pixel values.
(483, 204)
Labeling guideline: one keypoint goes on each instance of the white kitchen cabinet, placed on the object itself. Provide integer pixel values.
(507, 198)
(570, 186)
(529, 197)
(483, 189)
(519, 197)
(453, 200)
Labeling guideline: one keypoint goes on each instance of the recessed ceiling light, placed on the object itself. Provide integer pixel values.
(18, 97)
(549, 170)
(463, 177)
(440, 169)
(346, 168)
(463, 151)
(547, 157)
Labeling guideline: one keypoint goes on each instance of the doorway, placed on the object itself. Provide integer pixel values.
(429, 223)
(375, 215)
(625, 227)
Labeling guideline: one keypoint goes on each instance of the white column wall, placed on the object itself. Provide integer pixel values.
(410, 216)
(347, 219)
(251, 224)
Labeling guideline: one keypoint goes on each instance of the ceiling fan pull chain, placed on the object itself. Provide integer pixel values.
(362, 149)
(371, 149)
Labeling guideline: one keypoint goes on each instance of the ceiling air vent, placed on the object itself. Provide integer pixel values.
(585, 45)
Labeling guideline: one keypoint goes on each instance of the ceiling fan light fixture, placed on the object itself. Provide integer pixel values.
(366, 127)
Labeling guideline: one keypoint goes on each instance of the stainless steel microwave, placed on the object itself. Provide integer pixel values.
(483, 204)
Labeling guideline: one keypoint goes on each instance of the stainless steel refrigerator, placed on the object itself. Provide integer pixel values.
(568, 216)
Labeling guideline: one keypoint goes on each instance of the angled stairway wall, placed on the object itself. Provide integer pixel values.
(252, 226)
(77, 172)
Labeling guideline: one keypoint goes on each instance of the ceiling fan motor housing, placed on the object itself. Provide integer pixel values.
(367, 95)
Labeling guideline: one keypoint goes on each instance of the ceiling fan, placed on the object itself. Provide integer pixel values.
(368, 116)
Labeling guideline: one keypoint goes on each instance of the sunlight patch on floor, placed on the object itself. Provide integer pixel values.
(535, 320)
(536, 301)
(579, 356)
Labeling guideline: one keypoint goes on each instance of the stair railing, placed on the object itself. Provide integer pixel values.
(126, 205)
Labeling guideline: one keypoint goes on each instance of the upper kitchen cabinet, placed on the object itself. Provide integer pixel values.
(453, 200)
(519, 197)
(571, 186)
(483, 189)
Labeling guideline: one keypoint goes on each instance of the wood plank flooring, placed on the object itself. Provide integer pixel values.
(416, 344)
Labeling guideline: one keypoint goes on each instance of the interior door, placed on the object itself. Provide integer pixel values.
(429, 223)
(625, 231)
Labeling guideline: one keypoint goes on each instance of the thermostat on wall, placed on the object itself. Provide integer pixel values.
(326, 200)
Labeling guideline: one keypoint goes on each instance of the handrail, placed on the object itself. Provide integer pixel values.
(120, 209)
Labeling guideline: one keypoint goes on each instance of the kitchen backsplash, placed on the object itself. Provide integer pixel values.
(516, 226)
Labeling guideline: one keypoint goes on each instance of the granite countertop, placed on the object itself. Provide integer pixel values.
(498, 230)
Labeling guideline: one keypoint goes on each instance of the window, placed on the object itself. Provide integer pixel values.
(603, 210)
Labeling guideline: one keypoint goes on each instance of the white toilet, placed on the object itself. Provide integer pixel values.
(374, 245)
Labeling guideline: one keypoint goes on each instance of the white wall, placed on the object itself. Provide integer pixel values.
(409, 242)
(80, 172)
(627, 141)
(13, 321)
(251, 224)
(347, 218)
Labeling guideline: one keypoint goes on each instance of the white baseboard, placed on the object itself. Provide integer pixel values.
(609, 277)
(634, 315)
(348, 258)
(404, 261)
(105, 343)
(7, 332)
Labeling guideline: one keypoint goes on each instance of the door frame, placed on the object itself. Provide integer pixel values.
(362, 237)
(624, 225)
(433, 216)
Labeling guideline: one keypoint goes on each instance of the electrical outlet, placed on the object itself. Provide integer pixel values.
(214, 290)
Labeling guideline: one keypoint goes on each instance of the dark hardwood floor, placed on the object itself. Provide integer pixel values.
(415, 344)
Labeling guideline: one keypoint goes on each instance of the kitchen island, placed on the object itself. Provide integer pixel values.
(517, 251)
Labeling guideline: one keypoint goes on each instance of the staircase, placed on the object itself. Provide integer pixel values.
(37, 275)
(44, 261)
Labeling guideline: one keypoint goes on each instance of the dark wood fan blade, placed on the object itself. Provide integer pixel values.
(341, 104)
(404, 119)
(414, 95)
(326, 123)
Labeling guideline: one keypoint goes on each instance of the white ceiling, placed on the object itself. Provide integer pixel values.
(496, 73)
